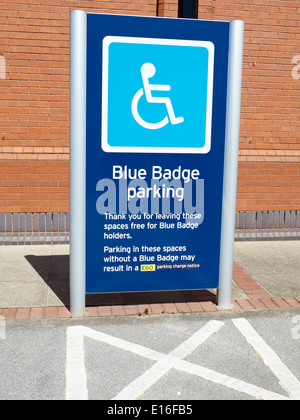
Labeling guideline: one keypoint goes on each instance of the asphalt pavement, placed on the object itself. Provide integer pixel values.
(226, 355)
(190, 357)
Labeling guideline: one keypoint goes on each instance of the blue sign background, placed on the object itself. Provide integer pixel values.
(203, 242)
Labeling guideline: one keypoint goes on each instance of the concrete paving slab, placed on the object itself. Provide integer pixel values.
(59, 267)
(46, 268)
(18, 253)
(274, 265)
(60, 250)
(27, 295)
(44, 272)
(237, 292)
(58, 293)
(32, 276)
(22, 272)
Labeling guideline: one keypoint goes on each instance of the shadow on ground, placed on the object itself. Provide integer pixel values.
(54, 270)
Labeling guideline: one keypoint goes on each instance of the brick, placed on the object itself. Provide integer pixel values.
(104, 311)
(37, 313)
(292, 302)
(9, 314)
(245, 304)
(92, 312)
(22, 313)
(118, 310)
(144, 309)
(169, 308)
(258, 292)
(131, 310)
(257, 304)
(280, 302)
(156, 308)
(34, 104)
(63, 312)
(195, 307)
(2, 222)
(8, 223)
(236, 306)
(182, 307)
(208, 306)
(269, 303)
(51, 313)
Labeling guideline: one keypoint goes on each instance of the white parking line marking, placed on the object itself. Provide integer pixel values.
(287, 380)
(229, 382)
(149, 378)
(76, 379)
(76, 383)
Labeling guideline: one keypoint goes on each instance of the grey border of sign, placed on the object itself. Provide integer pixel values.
(78, 57)
(78, 54)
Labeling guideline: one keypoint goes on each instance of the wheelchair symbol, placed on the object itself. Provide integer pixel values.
(148, 70)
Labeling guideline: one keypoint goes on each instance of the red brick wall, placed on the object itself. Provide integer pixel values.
(269, 167)
(167, 8)
(34, 99)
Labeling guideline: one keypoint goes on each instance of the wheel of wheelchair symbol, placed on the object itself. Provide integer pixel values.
(137, 117)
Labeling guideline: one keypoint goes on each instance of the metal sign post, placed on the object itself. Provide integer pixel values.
(235, 68)
(78, 161)
(153, 181)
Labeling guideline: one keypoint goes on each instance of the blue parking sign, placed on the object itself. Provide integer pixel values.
(154, 104)
(148, 102)
(156, 94)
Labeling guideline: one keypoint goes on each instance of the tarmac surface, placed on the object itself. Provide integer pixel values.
(177, 358)
(174, 347)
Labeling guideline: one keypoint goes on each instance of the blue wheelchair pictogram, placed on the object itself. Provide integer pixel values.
(148, 70)
(157, 95)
